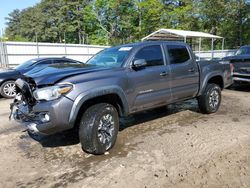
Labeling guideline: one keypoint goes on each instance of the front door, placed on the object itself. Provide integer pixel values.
(151, 86)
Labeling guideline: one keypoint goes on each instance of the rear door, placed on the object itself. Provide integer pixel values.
(151, 83)
(184, 72)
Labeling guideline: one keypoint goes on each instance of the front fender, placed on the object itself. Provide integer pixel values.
(83, 97)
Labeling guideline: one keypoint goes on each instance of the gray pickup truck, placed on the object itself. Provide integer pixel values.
(116, 82)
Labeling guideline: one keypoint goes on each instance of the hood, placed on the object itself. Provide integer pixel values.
(54, 73)
(8, 73)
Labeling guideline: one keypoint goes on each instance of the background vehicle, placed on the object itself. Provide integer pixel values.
(241, 65)
(116, 82)
(7, 78)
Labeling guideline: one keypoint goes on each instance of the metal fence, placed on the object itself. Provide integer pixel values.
(3, 55)
(14, 53)
(214, 54)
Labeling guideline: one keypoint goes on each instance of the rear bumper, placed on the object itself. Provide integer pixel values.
(57, 112)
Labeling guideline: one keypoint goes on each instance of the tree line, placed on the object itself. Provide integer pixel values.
(111, 22)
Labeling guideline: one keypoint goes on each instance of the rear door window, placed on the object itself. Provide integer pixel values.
(178, 54)
(45, 62)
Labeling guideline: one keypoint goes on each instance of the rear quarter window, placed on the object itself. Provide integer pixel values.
(63, 61)
(44, 62)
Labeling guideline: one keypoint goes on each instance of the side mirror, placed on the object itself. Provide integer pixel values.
(139, 63)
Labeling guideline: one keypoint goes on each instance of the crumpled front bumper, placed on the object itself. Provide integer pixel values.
(22, 115)
(46, 117)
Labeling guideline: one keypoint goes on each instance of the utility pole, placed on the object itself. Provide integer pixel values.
(140, 16)
(37, 46)
(1, 50)
(65, 47)
(240, 22)
(80, 36)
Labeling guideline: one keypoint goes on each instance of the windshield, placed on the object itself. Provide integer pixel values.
(243, 51)
(26, 64)
(112, 57)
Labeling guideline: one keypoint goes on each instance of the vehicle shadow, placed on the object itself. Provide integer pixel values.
(71, 137)
(240, 87)
(153, 114)
(65, 138)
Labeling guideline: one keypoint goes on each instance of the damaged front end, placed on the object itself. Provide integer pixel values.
(21, 108)
(43, 110)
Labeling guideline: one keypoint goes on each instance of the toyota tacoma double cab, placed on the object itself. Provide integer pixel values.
(114, 83)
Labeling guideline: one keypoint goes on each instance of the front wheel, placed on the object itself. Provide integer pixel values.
(8, 89)
(209, 101)
(99, 128)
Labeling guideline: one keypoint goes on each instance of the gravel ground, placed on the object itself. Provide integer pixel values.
(169, 147)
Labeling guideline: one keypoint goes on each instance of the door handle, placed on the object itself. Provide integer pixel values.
(191, 70)
(164, 73)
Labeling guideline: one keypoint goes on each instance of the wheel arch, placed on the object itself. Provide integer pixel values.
(111, 95)
(217, 80)
(212, 78)
(6, 80)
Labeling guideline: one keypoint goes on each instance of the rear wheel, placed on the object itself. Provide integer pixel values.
(99, 128)
(8, 89)
(209, 101)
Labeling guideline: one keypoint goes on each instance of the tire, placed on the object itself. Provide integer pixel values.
(8, 89)
(209, 101)
(99, 128)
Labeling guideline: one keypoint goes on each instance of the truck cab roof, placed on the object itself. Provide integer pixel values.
(151, 42)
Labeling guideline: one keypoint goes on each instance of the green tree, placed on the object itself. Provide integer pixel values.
(113, 22)
(116, 19)
(237, 23)
(13, 24)
(151, 16)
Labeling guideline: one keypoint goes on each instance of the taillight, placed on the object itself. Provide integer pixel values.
(231, 68)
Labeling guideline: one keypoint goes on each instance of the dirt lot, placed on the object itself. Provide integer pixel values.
(173, 147)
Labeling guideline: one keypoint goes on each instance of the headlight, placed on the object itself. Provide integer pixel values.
(53, 92)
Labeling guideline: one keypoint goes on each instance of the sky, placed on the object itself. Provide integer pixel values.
(7, 6)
